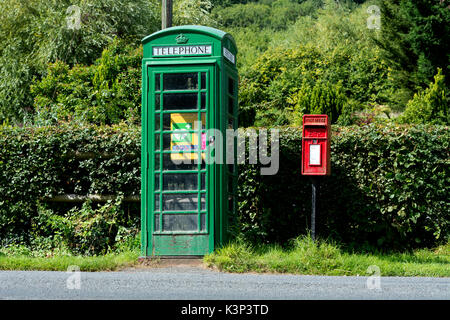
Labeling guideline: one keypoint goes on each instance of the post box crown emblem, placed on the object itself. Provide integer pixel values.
(181, 39)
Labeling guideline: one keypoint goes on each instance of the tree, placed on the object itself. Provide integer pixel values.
(429, 105)
(415, 40)
(36, 32)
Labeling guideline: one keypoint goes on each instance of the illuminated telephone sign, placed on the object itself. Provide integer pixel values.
(316, 140)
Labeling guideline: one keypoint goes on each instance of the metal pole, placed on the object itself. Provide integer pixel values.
(166, 14)
(315, 185)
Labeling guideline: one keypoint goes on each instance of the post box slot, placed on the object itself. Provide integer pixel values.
(315, 132)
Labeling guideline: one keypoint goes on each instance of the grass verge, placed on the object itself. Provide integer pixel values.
(108, 262)
(322, 258)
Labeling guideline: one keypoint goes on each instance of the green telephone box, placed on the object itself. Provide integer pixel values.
(189, 89)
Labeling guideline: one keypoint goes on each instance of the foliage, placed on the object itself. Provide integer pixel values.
(303, 256)
(388, 189)
(105, 92)
(36, 32)
(85, 230)
(430, 105)
(334, 47)
(414, 40)
(274, 14)
(37, 163)
(323, 98)
(13, 259)
(195, 12)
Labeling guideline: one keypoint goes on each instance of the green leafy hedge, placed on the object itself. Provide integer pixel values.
(39, 163)
(388, 189)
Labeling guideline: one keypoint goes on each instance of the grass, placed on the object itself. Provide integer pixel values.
(303, 257)
(108, 262)
(322, 258)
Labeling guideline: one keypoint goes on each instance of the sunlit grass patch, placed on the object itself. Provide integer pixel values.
(304, 256)
(108, 262)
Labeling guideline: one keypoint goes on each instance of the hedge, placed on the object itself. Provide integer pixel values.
(388, 189)
(37, 164)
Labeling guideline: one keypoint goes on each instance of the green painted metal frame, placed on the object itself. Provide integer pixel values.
(200, 246)
(217, 208)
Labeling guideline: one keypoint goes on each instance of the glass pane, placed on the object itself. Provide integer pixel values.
(157, 142)
(230, 183)
(157, 82)
(203, 177)
(166, 142)
(203, 80)
(157, 122)
(230, 203)
(203, 201)
(178, 161)
(157, 101)
(230, 123)
(203, 222)
(183, 121)
(156, 222)
(180, 181)
(166, 121)
(156, 207)
(181, 202)
(180, 81)
(180, 141)
(180, 101)
(230, 86)
(203, 100)
(156, 161)
(180, 222)
(203, 120)
(157, 182)
(230, 105)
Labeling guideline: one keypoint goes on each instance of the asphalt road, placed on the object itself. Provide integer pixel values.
(190, 283)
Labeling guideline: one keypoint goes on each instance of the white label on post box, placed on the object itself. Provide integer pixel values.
(314, 154)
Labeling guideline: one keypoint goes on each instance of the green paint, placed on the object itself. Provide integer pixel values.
(174, 245)
(184, 82)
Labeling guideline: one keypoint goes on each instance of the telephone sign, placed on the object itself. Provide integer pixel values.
(316, 145)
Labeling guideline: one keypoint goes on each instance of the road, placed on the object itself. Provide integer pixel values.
(200, 283)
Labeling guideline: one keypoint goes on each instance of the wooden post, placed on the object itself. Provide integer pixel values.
(166, 12)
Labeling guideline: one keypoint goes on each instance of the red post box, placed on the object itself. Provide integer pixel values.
(316, 140)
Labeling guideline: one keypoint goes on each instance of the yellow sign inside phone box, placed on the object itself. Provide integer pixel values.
(182, 139)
